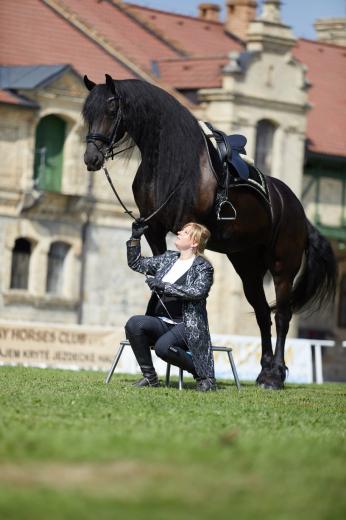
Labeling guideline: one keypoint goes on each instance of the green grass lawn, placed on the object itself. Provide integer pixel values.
(72, 447)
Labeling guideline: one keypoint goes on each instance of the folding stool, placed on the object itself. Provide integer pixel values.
(125, 342)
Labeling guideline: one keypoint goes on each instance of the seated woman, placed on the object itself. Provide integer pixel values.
(176, 321)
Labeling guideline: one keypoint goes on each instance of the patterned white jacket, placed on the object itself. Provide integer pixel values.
(193, 292)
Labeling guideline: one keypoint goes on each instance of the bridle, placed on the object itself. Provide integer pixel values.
(110, 142)
(110, 153)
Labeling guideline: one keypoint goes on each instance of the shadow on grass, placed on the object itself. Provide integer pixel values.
(222, 385)
(188, 385)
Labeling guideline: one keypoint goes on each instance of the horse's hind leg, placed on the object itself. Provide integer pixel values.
(284, 270)
(251, 269)
(275, 378)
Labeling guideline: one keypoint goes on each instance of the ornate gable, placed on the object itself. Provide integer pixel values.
(68, 84)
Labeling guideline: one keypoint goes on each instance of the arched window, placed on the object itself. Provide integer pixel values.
(342, 303)
(55, 274)
(264, 146)
(50, 137)
(21, 253)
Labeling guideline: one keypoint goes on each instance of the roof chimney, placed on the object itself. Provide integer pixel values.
(209, 12)
(331, 30)
(269, 32)
(239, 13)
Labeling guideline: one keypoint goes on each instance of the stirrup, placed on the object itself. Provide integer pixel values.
(220, 208)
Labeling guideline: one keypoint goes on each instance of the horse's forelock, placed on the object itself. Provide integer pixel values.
(95, 103)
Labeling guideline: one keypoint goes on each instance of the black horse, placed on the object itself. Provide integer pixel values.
(176, 168)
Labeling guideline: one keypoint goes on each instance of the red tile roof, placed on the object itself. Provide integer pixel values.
(326, 71)
(11, 99)
(124, 39)
(121, 30)
(196, 36)
(33, 33)
(326, 124)
(192, 73)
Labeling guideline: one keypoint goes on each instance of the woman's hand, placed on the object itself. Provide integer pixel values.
(155, 285)
(138, 228)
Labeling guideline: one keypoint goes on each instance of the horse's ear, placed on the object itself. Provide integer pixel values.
(110, 83)
(88, 83)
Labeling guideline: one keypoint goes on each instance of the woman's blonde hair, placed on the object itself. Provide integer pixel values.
(199, 234)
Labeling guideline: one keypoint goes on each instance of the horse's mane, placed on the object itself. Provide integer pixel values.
(167, 134)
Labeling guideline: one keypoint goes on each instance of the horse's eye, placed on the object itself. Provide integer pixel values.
(111, 105)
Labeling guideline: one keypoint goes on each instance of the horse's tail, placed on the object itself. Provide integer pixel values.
(316, 284)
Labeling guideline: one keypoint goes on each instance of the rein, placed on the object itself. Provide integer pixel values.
(110, 153)
(123, 205)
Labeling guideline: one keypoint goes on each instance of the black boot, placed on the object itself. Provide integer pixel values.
(149, 378)
(178, 357)
(141, 349)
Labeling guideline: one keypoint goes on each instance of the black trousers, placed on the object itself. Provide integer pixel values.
(167, 339)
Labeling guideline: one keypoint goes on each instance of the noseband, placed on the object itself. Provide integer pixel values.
(109, 142)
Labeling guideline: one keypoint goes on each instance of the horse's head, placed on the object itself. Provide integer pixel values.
(102, 114)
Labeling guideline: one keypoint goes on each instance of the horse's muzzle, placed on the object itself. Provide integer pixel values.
(93, 161)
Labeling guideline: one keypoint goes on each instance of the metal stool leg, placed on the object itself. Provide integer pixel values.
(234, 370)
(168, 373)
(115, 362)
(181, 378)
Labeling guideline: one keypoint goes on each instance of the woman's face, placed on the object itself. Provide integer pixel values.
(184, 241)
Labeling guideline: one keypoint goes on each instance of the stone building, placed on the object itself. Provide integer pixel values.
(62, 234)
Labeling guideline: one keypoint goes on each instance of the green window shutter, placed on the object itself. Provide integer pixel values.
(50, 137)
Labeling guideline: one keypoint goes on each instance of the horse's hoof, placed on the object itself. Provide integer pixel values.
(273, 386)
(272, 379)
(270, 386)
(263, 376)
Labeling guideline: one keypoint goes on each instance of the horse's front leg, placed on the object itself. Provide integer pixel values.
(251, 274)
(156, 233)
(156, 238)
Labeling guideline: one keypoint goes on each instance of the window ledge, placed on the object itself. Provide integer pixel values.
(18, 296)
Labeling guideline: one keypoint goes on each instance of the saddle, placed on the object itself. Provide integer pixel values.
(229, 148)
(233, 168)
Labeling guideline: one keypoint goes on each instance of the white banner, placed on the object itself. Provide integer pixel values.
(57, 346)
(247, 356)
(93, 348)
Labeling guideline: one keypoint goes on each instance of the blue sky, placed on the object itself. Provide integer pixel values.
(299, 14)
